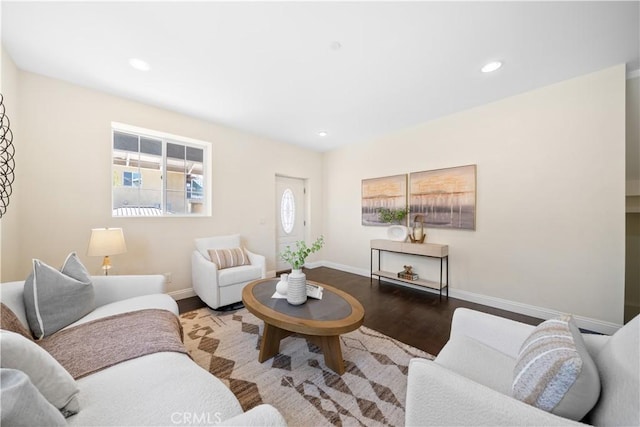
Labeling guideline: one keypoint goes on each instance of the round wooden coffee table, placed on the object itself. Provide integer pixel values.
(319, 321)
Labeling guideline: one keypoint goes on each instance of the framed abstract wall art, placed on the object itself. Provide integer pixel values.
(384, 200)
(445, 197)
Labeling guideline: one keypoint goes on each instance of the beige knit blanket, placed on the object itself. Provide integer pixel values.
(101, 343)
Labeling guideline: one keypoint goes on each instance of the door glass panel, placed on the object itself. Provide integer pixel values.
(287, 211)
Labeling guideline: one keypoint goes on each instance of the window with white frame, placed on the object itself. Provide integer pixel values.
(157, 174)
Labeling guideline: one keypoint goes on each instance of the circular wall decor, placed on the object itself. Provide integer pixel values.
(7, 163)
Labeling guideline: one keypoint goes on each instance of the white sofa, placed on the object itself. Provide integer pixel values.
(221, 287)
(469, 382)
(164, 388)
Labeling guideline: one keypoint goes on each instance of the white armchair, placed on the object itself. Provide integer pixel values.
(220, 287)
(469, 383)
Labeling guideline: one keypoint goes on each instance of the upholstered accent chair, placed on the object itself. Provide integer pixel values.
(221, 267)
(474, 379)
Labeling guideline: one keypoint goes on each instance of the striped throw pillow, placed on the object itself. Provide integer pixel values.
(230, 257)
(554, 371)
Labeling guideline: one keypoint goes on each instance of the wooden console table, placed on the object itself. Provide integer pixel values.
(431, 250)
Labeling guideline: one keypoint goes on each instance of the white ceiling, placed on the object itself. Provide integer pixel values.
(269, 67)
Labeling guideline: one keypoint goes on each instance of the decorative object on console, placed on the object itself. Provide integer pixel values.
(397, 233)
(297, 283)
(7, 163)
(417, 233)
(105, 242)
(446, 197)
(408, 273)
(384, 200)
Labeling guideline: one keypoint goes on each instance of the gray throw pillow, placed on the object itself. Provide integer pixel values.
(54, 299)
(45, 373)
(21, 404)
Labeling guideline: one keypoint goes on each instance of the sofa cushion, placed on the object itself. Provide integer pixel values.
(554, 371)
(617, 361)
(228, 257)
(159, 389)
(479, 362)
(53, 299)
(243, 273)
(22, 404)
(49, 377)
(10, 322)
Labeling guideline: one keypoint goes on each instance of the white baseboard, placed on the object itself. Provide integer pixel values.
(341, 267)
(182, 294)
(591, 324)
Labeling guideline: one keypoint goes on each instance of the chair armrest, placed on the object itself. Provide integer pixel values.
(260, 260)
(109, 289)
(438, 396)
(502, 334)
(261, 415)
(204, 279)
(203, 271)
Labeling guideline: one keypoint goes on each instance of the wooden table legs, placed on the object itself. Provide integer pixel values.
(330, 346)
(331, 350)
(270, 344)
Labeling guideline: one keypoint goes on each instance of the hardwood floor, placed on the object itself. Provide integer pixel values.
(414, 317)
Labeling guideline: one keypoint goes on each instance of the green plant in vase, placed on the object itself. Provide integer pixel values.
(297, 257)
(297, 282)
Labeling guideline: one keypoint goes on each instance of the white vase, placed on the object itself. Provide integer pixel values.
(283, 284)
(297, 289)
(398, 233)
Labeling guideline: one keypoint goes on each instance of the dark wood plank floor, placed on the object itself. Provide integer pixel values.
(412, 316)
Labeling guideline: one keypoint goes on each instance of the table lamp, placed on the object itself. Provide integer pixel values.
(105, 242)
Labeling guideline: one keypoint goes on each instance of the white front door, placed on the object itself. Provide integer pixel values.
(290, 216)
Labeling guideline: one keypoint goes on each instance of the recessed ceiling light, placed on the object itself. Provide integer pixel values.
(491, 66)
(335, 45)
(139, 64)
(322, 133)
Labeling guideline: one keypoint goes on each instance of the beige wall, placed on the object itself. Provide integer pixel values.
(65, 164)
(9, 224)
(551, 182)
(550, 196)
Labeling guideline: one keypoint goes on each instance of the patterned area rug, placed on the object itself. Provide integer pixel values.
(371, 392)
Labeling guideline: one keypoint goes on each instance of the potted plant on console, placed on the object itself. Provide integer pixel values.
(297, 281)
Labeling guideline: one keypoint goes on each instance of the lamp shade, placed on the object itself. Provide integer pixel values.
(106, 241)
